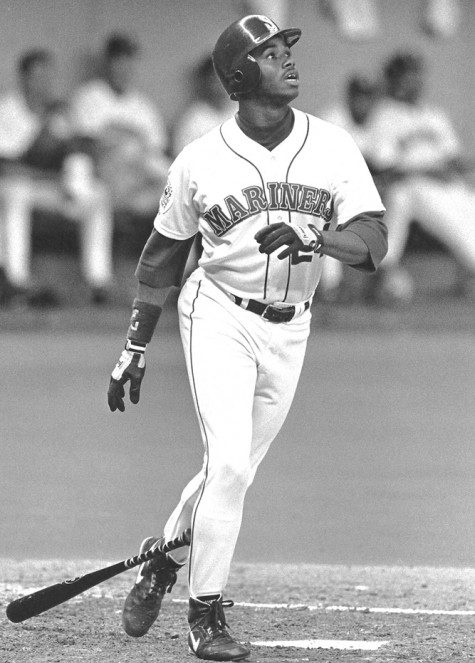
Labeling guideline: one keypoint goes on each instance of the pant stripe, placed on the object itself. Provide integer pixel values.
(204, 433)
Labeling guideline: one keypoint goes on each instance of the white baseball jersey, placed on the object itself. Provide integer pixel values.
(95, 107)
(227, 187)
(410, 136)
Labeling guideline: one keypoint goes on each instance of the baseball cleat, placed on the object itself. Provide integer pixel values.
(209, 638)
(154, 578)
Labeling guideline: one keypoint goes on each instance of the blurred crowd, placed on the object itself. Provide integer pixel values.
(100, 158)
(420, 168)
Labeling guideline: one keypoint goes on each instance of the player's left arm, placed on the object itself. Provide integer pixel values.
(361, 242)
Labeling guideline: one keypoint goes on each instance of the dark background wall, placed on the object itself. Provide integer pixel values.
(174, 33)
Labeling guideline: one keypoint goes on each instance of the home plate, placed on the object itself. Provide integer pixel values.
(324, 644)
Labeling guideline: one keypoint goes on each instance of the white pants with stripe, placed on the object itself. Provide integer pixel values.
(243, 372)
(445, 209)
(19, 196)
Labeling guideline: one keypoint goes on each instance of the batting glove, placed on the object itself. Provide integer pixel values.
(131, 366)
(296, 238)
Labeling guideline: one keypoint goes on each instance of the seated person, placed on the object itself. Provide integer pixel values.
(128, 134)
(39, 169)
(419, 167)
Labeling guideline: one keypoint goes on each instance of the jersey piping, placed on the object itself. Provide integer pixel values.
(263, 188)
(300, 148)
(290, 218)
(205, 436)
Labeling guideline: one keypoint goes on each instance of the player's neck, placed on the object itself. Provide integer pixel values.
(267, 126)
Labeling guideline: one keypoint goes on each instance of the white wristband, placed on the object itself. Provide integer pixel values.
(134, 346)
(310, 236)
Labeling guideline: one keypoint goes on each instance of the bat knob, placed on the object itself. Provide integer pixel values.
(14, 612)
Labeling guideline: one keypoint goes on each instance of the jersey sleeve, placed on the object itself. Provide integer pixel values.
(373, 231)
(354, 191)
(177, 216)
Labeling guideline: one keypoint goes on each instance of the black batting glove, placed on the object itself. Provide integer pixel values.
(130, 367)
(295, 238)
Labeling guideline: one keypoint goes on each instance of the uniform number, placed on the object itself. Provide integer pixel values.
(302, 256)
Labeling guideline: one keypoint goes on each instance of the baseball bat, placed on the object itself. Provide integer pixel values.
(44, 599)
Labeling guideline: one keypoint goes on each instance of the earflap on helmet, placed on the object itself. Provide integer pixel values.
(245, 78)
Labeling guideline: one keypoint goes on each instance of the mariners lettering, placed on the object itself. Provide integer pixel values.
(256, 200)
(286, 196)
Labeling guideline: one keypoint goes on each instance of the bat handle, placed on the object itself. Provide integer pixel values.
(182, 539)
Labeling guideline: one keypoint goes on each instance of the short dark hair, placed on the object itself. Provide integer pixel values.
(121, 44)
(30, 58)
(402, 63)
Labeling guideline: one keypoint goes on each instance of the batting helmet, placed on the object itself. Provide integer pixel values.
(237, 70)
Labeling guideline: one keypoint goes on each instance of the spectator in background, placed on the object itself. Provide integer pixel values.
(417, 163)
(353, 115)
(209, 107)
(127, 134)
(361, 95)
(38, 167)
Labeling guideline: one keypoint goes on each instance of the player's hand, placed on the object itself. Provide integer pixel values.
(296, 238)
(131, 366)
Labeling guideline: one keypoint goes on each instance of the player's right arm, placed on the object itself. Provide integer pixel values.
(160, 268)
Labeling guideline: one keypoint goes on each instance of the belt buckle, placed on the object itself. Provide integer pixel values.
(278, 312)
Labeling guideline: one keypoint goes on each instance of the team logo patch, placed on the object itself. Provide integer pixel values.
(166, 199)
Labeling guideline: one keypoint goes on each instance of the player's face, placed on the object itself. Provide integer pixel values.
(279, 75)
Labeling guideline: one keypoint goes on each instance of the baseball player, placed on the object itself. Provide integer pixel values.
(418, 158)
(272, 191)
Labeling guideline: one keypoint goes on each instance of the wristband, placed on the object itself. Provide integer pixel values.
(319, 235)
(143, 322)
(310, 236)
(135, 346)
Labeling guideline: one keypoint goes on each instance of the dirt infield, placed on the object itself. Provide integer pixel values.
(393, 609)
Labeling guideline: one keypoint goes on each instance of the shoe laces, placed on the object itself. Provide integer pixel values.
(216, 620)
(163, 580)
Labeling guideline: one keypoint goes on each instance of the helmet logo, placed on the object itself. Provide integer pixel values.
(269, 24)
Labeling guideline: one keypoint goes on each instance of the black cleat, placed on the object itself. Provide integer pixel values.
(209, 638)
(154, 578)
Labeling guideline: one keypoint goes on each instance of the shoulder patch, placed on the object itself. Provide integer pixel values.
(166, 199)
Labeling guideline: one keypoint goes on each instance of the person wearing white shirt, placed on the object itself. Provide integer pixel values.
(417, 161)
(38, 161)
(127, 131)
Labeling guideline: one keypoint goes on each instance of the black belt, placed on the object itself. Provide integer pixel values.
(271, 312)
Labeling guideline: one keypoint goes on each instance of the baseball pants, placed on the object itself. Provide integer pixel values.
(243, 372)
(444, 209)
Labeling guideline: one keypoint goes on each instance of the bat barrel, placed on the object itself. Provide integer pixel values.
(34, 604)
